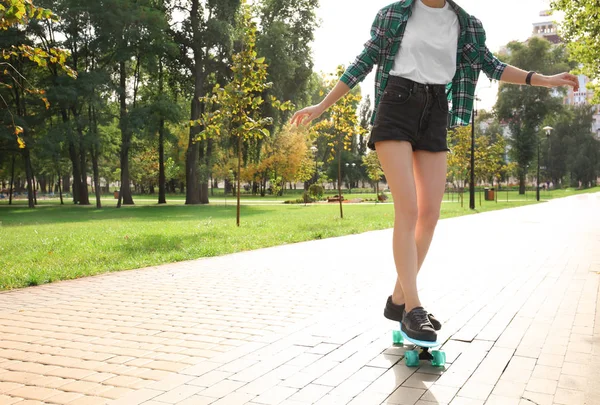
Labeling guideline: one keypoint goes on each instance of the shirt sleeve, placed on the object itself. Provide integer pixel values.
(362, 66)
(492, 66)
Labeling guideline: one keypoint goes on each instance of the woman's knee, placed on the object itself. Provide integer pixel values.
(406, 216)
(428, 217)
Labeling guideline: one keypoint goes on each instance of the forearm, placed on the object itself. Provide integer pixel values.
(339, 91)
(515, 75)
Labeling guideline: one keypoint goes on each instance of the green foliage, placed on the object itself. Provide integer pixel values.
(16, 14)
(489, 157)
(235, 108)
(287, 30)
(571, 152)
(581, 29)
(524, 108)
(373, 167)
(340, 126)
(316, 191)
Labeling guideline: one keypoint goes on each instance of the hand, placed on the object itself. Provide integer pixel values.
(562, 79)
(307, 115)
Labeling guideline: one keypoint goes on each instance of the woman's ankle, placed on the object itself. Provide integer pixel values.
(398, 300)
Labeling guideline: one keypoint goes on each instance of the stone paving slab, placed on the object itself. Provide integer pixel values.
(517, 291)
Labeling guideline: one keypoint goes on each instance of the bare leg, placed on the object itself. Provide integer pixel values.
(430, 170)
(396, 159)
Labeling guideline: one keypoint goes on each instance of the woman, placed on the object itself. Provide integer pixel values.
(428, 52)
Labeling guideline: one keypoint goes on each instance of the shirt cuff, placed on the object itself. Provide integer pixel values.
(349, 79)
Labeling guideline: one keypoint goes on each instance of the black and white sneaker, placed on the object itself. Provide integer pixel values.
(395, 312)
(416, 325)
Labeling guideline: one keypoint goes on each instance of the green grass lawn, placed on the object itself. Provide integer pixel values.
(54, 242)
(219, 198)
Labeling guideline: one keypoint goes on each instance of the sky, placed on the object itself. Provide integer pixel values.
(345, 26)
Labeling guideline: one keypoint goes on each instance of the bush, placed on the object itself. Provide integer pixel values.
(316, 191)
(306, 198)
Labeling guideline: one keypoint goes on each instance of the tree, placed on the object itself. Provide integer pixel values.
(128, 32)
(365, 127)
(287, 157)
(235, 110)
(374, 170)
(459, 157)
(524, 108)
(489, 157)
(206, 41)
(16, 15)
(581, 29)
(339, 127)
(287, 30)
(571, 151)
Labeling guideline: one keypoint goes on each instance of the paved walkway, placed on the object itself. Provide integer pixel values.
(517, 291)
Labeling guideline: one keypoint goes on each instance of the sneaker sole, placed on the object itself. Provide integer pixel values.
(421, 338)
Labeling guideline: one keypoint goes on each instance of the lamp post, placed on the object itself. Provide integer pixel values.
(472, 181)
(537, 191)
(537, 188)
(314, 150)
(349, 177)
(548, 132)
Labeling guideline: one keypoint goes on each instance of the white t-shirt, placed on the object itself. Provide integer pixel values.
(428, 50)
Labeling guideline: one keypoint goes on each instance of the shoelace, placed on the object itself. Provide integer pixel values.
(421, 318)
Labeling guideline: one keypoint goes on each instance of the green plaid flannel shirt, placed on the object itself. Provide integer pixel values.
(473, 56)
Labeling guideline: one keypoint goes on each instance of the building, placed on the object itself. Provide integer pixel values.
(546, 28)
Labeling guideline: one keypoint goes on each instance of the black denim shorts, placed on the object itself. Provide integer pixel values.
(413, 112)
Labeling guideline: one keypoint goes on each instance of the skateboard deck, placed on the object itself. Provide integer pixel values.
(413, 357)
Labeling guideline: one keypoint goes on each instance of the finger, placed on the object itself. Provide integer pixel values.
(297, 118)
(302, 119)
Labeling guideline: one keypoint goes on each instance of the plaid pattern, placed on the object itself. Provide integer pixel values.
(473, 56)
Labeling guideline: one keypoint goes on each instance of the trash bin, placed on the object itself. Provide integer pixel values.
(116, 195)
(489, 194)
(492, 194)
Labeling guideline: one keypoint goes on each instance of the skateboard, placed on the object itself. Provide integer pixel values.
(413, 357)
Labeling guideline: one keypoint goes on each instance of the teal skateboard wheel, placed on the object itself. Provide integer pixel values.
(411, 358)
(439, 358)
(397, 337)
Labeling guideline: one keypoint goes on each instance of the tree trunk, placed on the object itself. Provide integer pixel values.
(30, 180)
(521, 183)
(76, 172)
(96, 171)
(75, 162)
(84, 196)
(204, 181)
(59, 181)
(239, 170)
(43, 184)
(66, 182)
(125, 196)
(12, 180)
(340, 179)
(162, 192)
(34, 183)
(193, 152)
(95, 154)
